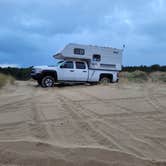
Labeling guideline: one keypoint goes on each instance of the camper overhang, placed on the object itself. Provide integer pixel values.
(58, 56)
(61, 56)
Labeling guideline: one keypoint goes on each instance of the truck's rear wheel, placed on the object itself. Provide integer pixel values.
(105, 80)
(47, 81)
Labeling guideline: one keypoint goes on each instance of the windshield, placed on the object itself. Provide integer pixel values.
(58, 63)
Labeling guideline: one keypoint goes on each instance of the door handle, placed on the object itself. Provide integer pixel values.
(84, 71)
(71, 70)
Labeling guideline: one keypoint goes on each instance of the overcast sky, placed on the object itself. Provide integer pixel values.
(31, 31)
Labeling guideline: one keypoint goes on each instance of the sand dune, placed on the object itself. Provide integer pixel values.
(119, 124)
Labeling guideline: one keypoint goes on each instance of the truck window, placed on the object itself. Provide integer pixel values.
(68, 65)
(79, 51)
(96, 57)
(58, 63)
(80, 65)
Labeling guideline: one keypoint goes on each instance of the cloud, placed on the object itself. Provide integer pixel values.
(9, 65)
(32, 31)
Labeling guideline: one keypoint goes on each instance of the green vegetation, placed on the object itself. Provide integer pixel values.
(17, 73)
(4, 79)
(136, 76)
(158, 76)
(153, 73)
(140, 76)
(147, 69)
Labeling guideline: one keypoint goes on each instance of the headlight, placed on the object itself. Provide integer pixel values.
(38, 70)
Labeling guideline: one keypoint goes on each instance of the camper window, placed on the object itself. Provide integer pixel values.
(96, 57)
(79, 51)
(80, 65)
(116, 52)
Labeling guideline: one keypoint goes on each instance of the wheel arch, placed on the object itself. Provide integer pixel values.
(108, 75)
(50, 73)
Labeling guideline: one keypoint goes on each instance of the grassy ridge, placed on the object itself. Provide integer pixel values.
(4, 79)
(140, 76)
(158, 76)
(17, 73)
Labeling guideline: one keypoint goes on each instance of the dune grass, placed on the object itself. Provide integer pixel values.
(4, 79)
(158, 76)
(140, 76)
(136, 76)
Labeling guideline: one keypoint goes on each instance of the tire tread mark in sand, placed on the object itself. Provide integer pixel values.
(131, 98)
(110, 136)
(149, 97)
(152, 99)
(5, 107)
(96, 116)
(37, 129)
(101, 137)
(129, 112)
(84, 125)
(47, 126)
(81, 110)
(114, 99)
(130, 135)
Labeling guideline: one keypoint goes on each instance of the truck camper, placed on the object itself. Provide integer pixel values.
(81, 63)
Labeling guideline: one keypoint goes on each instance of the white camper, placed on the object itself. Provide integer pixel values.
(97, 57)
(81, 63)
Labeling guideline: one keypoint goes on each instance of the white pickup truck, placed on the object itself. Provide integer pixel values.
(76, 71)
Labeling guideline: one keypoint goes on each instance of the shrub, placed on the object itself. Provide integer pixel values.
(4, 79)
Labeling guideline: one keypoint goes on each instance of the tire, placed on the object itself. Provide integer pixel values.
(105, 81)
(47, 81)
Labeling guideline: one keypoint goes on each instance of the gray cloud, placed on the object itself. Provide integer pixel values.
(31, 31)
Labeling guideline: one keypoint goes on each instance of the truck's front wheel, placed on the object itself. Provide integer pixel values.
(47, 81)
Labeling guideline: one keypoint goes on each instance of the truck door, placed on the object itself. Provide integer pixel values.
(67, 71)
(81, 72)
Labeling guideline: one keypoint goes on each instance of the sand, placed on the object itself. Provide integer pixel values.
(113, 125)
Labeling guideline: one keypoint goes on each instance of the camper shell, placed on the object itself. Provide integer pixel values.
(104, 58)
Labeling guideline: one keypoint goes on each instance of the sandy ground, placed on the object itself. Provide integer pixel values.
(114, 125)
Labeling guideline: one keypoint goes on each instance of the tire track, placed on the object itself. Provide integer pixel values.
(99, 135)
(109, 135)
(152, 99)
(86, 126)
(36, 127)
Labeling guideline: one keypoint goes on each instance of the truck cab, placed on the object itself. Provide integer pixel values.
(64, 71)
(72, 70)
